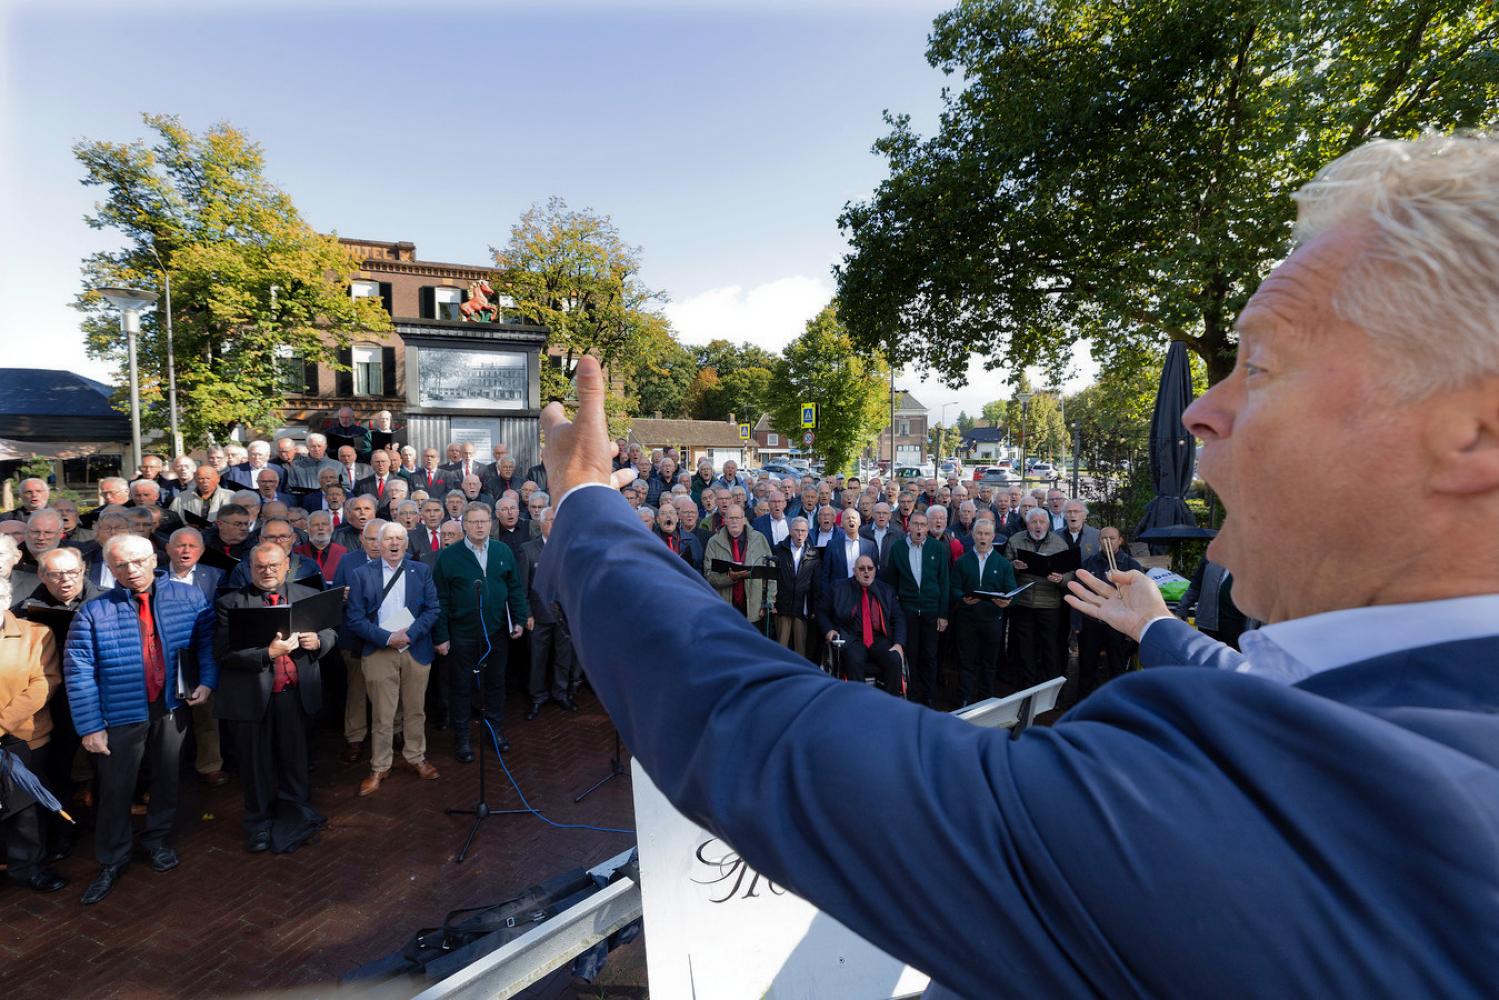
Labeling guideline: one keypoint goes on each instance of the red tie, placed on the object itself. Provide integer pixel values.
(671, 540)
(434, 539)
(465, 470)
(430, 480)
(868, 621)
(285, 668)
(337, 519)
(738, 591)
(151, 657)
(380, 489)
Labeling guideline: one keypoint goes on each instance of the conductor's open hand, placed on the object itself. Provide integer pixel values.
(579, 451)
(1126, 601)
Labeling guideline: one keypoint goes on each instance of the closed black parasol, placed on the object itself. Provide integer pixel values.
(1172, 448)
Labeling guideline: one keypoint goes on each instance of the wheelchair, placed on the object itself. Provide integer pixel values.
(832, 664)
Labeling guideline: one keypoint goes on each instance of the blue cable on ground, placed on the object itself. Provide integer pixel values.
(494, 738)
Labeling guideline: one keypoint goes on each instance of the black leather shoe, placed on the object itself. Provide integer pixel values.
(463, 752)
(569, 705)
(503, 745)
(162, 859)
(103, 883)
(46, 880)
(258, 841)
(533, 711)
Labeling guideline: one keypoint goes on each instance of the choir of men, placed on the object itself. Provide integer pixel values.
(445, 581)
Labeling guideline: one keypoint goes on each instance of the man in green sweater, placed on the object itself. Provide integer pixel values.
(476, 645)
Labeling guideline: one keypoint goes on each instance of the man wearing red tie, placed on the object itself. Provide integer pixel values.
(266, 696)
(352, 471)
(866, 614)
(377, 482)
(425, 537)
(437, 481)
(320, 546)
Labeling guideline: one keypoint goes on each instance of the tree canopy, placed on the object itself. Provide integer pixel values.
(572, 272)
(849, 386)
(1120, 172)
(256, 292)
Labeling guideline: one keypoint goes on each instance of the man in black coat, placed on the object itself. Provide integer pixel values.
(551, 645)
(683, 543)
(267, 696)
(800, 587)
(872, 639)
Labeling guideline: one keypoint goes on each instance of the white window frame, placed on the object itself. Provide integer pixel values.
(369, 374)
(446, 302)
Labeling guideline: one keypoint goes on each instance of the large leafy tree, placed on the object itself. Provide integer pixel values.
(256, 292)
(572, 272)
(661, 370)
(1120, 171)
(849, 386)
(732, 379)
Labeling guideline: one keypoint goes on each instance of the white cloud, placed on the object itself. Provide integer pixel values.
(770, 315)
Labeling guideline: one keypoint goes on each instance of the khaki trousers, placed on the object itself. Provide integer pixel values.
(393, 679)
(791, 632)
(356, 724)
(206, 733)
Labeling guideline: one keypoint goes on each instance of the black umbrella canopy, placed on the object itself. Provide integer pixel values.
(1172, 447)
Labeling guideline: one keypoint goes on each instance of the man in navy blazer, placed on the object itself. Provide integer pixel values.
(1318, 821)
(392, 607)
(836, 564)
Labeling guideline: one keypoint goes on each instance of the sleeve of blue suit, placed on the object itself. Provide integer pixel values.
(1142, 846)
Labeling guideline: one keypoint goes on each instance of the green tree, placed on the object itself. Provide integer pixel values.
(662, 370)
(572, 272)
(1118, 172)
(849, 386)
(255, 290)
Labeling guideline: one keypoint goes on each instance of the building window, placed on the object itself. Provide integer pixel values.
(364, 289)
(772, 441)
(448, 302)
(903, 428)
(369, 378)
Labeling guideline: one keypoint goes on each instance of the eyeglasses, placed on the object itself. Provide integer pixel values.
(62, 574)
(127, 564)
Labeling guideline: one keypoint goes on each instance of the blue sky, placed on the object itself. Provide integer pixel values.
(723, 138)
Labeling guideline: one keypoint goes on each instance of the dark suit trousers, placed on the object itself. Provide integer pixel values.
(161, 738)
(1036, 643)
(921, 653)
(980, 652)
(858, 660)
(552, 647)
(22, 829)
(467, 656)
(273, 758)
(1097, 639)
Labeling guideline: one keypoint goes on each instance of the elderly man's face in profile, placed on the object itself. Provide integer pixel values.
(1304, 379)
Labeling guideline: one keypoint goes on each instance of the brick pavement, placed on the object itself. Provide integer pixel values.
(226, 923)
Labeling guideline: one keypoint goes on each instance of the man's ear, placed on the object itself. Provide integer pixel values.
(1463, 439)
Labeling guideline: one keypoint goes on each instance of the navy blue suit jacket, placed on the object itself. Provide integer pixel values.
(360, 613)
(835, 558)
(207, 579)
(1181, 833)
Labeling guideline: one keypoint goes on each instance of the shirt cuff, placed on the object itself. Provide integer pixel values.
(1158, 618)
(557, 507)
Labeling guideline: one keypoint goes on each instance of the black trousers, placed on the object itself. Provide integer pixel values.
(471, 668)
(161, 739)
(273, 759)
(1036, 643)
(981, 651)
(551, 646)
(22, 828)
(921, 653)
(858, 660)
(1094, 640)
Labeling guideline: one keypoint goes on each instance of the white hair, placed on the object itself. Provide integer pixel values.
(10, 554)
(122, 548)
(5, 593)
(1427, 288)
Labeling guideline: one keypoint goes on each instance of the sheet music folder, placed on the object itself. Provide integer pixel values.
(756, 572)
(255, 628)
(1036, 564)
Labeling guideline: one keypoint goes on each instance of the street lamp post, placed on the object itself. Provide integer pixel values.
(130, 302)
(941, 440)
(1025, 415)
(171, 357)
(1077, 451)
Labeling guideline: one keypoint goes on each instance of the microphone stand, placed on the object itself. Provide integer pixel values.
(481, 811)
(616, 769)
(769, 560)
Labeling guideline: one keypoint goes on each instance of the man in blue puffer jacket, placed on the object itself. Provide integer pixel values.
(127, 653)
